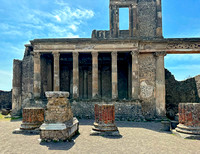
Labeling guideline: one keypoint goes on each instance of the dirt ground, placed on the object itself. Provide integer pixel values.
(136, 137)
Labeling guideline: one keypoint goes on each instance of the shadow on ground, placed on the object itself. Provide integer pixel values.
(154, 126)
(60, 145)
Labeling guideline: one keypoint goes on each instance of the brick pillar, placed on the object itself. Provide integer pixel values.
(94, 74)
(56, 80)
(159, 18)
(17, 88)
(160, 84)
(75, 75)
(114, 75)
(37, 75)
(135, 74)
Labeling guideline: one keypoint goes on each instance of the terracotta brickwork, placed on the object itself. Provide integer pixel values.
(33, 115)
(104, 113)
(189, 114)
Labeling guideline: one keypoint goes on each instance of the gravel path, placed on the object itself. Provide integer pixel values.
(143, 137)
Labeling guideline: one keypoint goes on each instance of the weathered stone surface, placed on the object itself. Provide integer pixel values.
(5, 99)
(180, 91)
(59, 122)
(124, 110)
(189, 118)
(32, 118)
(56, 94)
(105, 118)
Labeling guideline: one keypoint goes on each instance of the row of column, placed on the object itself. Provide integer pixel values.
(56, 83)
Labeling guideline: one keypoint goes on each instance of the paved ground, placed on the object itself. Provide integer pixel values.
(144, 137)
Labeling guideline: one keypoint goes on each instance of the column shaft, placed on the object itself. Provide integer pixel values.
(17, 88)
(75, 75)
(56, 56)
(135, 75)
(37, 75)
(160, 84)
(94, 74)
(114, 75)
(159, 18)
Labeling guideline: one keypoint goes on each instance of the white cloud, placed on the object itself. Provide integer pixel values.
(5, 78)
(73, 27)
(57, 18)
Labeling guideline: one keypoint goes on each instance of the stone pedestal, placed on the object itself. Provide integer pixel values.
(105, 119)
(59, 122)
(32, 118)
(189, 120)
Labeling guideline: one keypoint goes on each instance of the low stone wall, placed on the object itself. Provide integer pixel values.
(124, 110)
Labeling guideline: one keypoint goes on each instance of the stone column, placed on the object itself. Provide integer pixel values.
(114, 75)
(56, 80)
(135, 74)
(114, 21)
(17, 88)
(75, 75)
(94, 74)
(159, 18)
(132, 20)
(160, 84)
(37, 75)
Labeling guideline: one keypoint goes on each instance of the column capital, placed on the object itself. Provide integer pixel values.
(134, 52)
(37, 54)
(56, 54)
(75, 54)
(160, 53)
(114, 53)
(94, 54)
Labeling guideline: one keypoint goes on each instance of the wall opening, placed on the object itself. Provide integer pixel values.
(123, 18)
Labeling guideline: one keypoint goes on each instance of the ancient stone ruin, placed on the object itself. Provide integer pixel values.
(59, 125)
(121, 67)
(189, 119)
(105, 120)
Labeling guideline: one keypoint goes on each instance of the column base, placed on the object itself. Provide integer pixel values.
(58, 131)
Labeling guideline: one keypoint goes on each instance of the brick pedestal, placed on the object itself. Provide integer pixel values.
(32, 118)
(59, 122)
(189, 118)
(104, 118)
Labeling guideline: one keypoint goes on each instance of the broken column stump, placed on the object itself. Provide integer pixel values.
(33, 117)
(59, 125)
(189, 120)
(104, 120)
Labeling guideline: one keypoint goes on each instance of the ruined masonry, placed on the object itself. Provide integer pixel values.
(59, 124)
(120, 67)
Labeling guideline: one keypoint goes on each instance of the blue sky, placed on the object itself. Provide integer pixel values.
(24, 20)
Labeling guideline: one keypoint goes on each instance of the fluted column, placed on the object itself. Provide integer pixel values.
(160, 84)
(56, 80)
(37, 75)
(135, 75)
(94, 74)
(75, 75)
(114, 75)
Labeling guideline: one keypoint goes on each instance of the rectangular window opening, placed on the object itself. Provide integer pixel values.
(123, 18)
